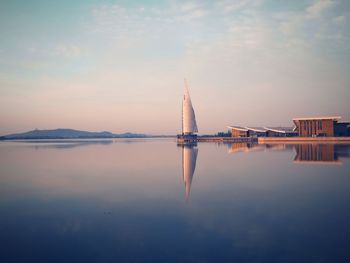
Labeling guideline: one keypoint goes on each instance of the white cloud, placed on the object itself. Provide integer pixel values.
(291, 24)
(68, 51)
(187, 7)
(319, 24)
(229, 50)
(192, 15)
(57, 50)
(233, 6)
(339, 20)
(189, 11)
(318, 7)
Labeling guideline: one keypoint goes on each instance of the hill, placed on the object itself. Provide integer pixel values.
(68, 134)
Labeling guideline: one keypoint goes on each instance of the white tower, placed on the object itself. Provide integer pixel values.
(189, 125)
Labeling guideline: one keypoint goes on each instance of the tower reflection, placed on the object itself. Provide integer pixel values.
(189, 158)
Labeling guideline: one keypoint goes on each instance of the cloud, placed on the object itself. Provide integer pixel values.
(188, 7)
(318, 7)
(56, 50)
(192, 15)
(318, 25)
(227, 49)
(339, 20)
(68, 51)
(234, 6)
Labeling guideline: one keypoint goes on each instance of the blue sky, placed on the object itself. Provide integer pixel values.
(120, 65)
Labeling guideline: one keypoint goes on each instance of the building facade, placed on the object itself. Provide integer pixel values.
(237, 131)
(304, 127)
(256, 131)
(281, 132)
(316, 126)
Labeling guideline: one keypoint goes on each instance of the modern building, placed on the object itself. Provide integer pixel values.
(237, 131)
(342, 129)
(304, 127)
(316, 126)
(256, 131)
(281, 131)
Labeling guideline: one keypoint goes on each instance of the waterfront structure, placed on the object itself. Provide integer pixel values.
(256, 131)
(342, 129)
(237, 131)
(281, 131)
(189, 124)
(304, 127)
(316, 126)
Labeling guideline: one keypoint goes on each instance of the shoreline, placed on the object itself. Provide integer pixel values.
(273, 140)
(228, 139)
(300, 140)
(259, 140)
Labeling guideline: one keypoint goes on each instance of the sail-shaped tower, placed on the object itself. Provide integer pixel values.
(189, 124)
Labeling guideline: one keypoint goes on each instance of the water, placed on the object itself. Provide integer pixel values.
(153, 201)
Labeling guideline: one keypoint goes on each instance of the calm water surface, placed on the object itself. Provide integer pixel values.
(153, 201)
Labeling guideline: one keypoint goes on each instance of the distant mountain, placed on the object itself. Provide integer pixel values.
(68, 134)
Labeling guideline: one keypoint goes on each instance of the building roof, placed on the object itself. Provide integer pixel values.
(239, 128)
(263, 129)
(280, 129)
(335, 118)
(256, 129)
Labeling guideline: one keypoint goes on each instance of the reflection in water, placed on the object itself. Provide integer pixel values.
(64, 144)
(320, 153)
(244, 147)
(73, 143)
(189, 158)
(323, 153)
(305, 153)
(108, 207)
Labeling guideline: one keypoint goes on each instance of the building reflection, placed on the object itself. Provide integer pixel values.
(317, 153)
(244, 147)
(304, 153)
(189, 158)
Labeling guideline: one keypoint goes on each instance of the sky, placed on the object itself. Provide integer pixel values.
(120, 65)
